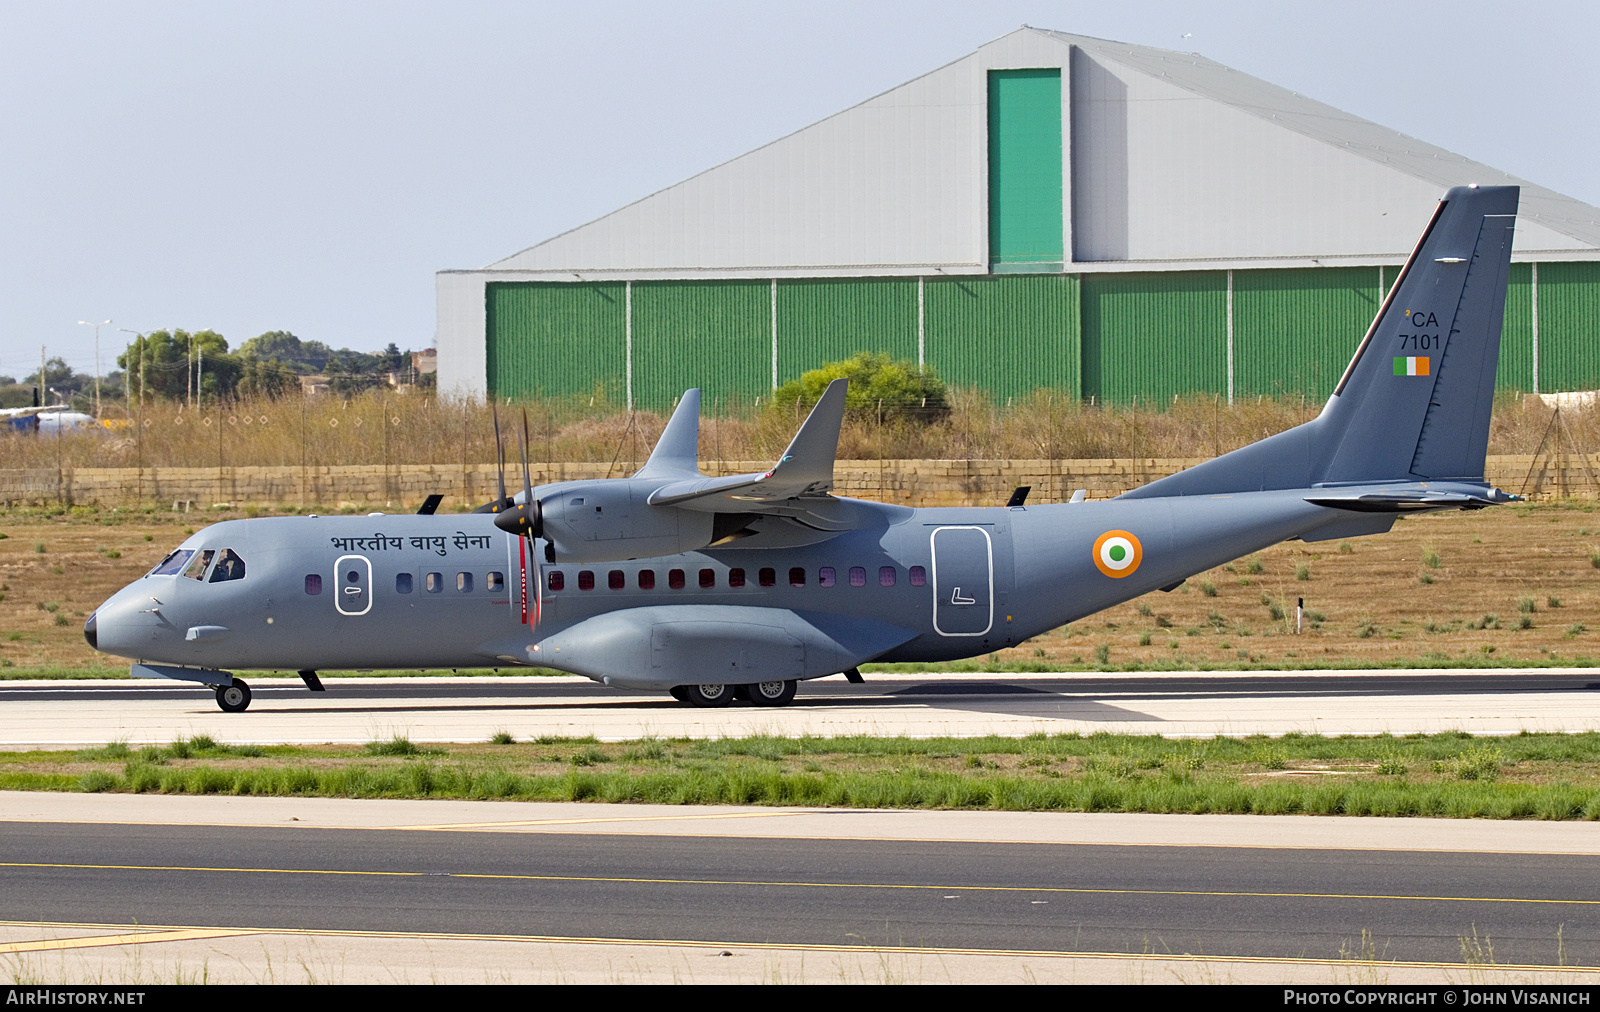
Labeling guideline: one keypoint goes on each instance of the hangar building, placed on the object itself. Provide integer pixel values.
(1120, 222)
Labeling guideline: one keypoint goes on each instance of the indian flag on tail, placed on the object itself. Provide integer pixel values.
(1414, 365)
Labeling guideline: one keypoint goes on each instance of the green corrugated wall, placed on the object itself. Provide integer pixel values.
(555, 339)
(1569, 326)
(1516, 336)
(1295, 330)
(1154, 336)
(1113, 337)
(1025, 168)
(716, 335)
(824, 321)
(1008, 335)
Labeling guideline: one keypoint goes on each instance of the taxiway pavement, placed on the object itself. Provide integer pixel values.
(76, 713)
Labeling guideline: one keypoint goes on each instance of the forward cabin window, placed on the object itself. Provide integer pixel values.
(313, 584)
(768, 577)
(616, 580)
(886, 576)
(647, 579)
(919, 576)
(858, 576)
(497, 581)
(557, 580)
(826, 576)
(736, 578)
(585, 579)
(708, 579)
(402, 583)
(464, 582)
(675, 579)
(797, 576)
(433, 583)
(229, 567)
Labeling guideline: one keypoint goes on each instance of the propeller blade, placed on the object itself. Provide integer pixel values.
(526, 518)
(499, 452)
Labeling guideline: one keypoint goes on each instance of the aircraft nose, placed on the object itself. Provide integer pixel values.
(90, 633)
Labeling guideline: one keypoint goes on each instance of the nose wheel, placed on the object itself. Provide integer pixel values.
(234, 698)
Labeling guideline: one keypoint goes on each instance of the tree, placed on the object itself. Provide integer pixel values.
(303, 357)
(162, 363)
(879, 387)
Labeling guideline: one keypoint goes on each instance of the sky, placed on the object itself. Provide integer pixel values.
(309, 166)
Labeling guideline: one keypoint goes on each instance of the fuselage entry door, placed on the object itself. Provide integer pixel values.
(963, 581)
(352, 577)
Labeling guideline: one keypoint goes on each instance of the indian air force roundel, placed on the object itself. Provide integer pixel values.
(1117, 553)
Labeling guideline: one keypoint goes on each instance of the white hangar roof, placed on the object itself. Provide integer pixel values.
(1172, 161)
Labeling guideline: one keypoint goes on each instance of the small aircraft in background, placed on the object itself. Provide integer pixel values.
(51, 418)
(717, 588)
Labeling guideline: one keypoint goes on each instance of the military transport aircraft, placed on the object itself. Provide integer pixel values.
(739, 587)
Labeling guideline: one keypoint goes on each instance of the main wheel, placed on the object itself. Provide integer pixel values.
(707, 694)
(680, 693)
(234, 698)
(773, 693)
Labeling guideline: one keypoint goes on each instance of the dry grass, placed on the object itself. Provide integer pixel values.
(380, 428)
(1366, 606)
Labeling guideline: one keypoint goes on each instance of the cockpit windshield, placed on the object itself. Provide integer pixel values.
(172, 563)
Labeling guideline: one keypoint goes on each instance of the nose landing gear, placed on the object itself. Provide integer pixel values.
(234, 698)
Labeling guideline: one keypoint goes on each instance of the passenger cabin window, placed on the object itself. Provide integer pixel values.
(919, 576)
(197, 568)
(616, 580)
(495, 581)
(557, 580)
(172, 563)
(433, 583)
(826, 577)
(736, 578)
(464, 582)
(229, 567)
(708, 579)
(767, 577)
(886, 576)
(675, 579)
(647, 579)
(313, 584)
(797, 576)
(402, 583)
(858, 576)
(585, 579)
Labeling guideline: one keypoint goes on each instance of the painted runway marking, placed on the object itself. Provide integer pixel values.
(908, 887)
(97, 941)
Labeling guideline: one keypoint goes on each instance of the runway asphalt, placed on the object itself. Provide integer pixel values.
(598, 892)
(46, 713)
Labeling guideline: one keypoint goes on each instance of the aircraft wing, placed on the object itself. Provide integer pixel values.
(804, 471)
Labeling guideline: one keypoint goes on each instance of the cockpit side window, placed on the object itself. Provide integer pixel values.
(229, 567)
(197, 568)
(172, 563)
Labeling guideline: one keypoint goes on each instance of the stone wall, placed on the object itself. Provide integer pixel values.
(911, 482)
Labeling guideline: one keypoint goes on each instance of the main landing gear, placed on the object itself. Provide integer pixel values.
(708, 694)
(234, 698)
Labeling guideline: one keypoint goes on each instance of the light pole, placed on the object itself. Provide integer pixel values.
(96, 327)
(126, 386)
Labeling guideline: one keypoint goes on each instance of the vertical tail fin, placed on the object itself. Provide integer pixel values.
(1414, 403)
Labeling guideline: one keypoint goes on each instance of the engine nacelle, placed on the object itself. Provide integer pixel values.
(610, 521)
